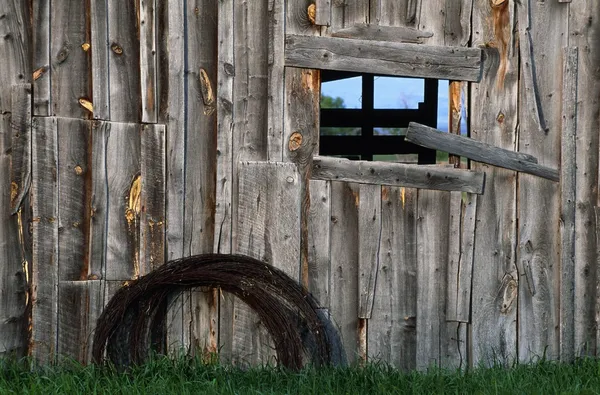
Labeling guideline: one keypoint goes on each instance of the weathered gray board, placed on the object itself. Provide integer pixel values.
(381, 57)
(268, 223)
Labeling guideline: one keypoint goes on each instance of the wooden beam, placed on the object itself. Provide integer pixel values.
(397, 174)
(402, 34)
(380, 57)
(475, 150)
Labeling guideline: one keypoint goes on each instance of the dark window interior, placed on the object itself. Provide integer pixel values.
(371, 132)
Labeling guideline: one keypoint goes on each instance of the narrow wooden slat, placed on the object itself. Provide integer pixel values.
(20, 159)
(319, 241)
(14, 266)
(123, 188)
(401, 59)
(123, 62)
(152, 198)
(343, 285)
(474, 150)
(323, 12)
(581, 25)
(392, 326)
(148, 61)
(100, 59)
(495, 278)
(397, 174)
(41, 57)
(369, 232)
(69, 61)
(44, 280)
(401, 34)
(98, 210)
(276, 82)
(269, 230)
(567, 210)
(95, 307)
(74, 335)
(432, 260)
(455, 213)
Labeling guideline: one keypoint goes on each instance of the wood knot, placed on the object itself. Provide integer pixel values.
(497, 3)
(295, 141)
(116, 48)
(312, 13)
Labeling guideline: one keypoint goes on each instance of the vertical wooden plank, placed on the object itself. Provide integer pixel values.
(538, 200)
(392, 326)
(393, 12)
(494, 120)
(323, 12)
(319, 241)
(582, 30)
(15, 50)
(123, 187)
(74, 334)
(41, 57)
(449, 21)
(123, 61)
(432, 261)
(100, 62)
(68, 59)
(369, 239)
(568, 167)
(171, 79)
(20, 158)
(200, 165)
(275, 104)
(14, 266)
(344, 264)
(349, 13)
(148, 62)
(44, 280)
(454, 256)
(98, 210)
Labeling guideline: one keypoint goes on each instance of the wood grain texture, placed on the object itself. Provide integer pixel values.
(123, 62)
(369, 240)
(539, 200)
(98, 213)
(392, 326)
(345, 14)
(398, 13)
(343, 285)
(69, 62)
(41, 57)
(44, 279)
(148, 60)
(390, 58)
(74, 331)
(568, 185)
(494, 120)
(122, 182)
(152, 198)
(319, 241)
(397, 174)
(100, 59)
(20, 135)
(14, 266)
(276, 81)
(200, 160)
(449, 21)
(581, 32)
(323, 12)
(401, 34)
(475, 150)
(269, 230)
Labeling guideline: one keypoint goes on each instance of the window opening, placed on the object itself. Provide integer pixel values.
(358, 121)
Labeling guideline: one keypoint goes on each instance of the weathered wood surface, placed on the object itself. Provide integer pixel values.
(343, 287)
(148, 61)
(319, 241)
(345, 14)
(123, 61)
(494, 120)
(323, 12)
(400, 59)
(99, 57)
(276, 80)
(44, 278)
(268, 229)
(394, 13)
(14, 267)
(152, 198)
(98, 200)
(582, 30)
(122, 181)
(373, 32)
(397, 174)
(392, 326)
(369, 232)
(568, 167)
(69, 61)
(41, 56)
(74, 321)
(20, 152)
(478, 151)
(538, 200)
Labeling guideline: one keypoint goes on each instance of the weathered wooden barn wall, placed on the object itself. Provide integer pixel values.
(141, 131)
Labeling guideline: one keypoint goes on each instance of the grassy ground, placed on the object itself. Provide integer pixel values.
(191, 377)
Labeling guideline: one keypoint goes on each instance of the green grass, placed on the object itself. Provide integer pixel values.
(162, 376)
